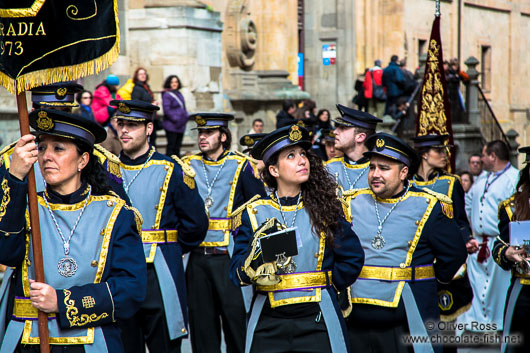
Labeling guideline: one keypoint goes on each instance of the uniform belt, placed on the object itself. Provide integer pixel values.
(397, 273)
(220, 224)
(210, 250)
(24, 310)
(520, 275)
(297, 281)
(160, 236)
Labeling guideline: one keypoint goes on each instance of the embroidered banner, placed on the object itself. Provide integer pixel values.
(48, 41)
(434, 113)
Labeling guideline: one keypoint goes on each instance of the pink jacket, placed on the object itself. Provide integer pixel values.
(102, 98)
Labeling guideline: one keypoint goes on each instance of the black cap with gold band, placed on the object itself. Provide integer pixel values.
(355, 118)
(211, 120)
(250, 140)
(392, 147)
(56, 95)
(134, 110)
(431, 140)
(59, 123)
(280, 139)
(328, 135)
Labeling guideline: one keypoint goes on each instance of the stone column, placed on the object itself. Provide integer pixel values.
(473, 113)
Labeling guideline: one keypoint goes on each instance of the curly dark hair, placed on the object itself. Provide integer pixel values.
(94, 173)
(522, 208)
(318, 194)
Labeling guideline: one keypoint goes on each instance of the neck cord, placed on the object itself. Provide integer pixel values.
(295, 212)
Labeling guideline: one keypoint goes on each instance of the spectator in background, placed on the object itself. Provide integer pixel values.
(257, 127)
(398, 111)
(410, 83)
(104, 93)
(393, 81)
(285, 116)
(323, 119)
(454, 78)
(142, 92)
(175, 115)
(372, 78)
(359, 99)
(85, 101)
(103, 111)
(475, 165)
(467, 181)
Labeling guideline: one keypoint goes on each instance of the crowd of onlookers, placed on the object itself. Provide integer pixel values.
(390, 90)
(96, 107)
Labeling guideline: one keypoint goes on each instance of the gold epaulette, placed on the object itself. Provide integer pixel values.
(188, 171)
(137, 217)
(113, 165)
(7, 148)
(445, 202)
(236, 215)
(253, 162)
(507, 205)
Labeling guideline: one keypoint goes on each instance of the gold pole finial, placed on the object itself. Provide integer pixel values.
(437, 14)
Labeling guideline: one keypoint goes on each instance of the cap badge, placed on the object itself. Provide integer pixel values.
(300, 123)
(122, 107)
(44, 122)
(200, 120)
(249, 141)
(295, 134)
(380, 144)
(61, 92)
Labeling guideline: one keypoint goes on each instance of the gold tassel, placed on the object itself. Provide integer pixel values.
(137, 217)
(447, 209)
(266, 274)
(189, 181)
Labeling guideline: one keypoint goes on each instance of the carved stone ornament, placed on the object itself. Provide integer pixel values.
(241, 35)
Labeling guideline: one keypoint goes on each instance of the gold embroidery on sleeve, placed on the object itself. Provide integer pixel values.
(72, 311)
(5, 199)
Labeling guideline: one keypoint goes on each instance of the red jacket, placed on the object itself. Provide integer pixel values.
(377, 72)
(102, 98)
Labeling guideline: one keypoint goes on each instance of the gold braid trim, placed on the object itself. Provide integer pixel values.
(7, 148)
(5, 199)
(265, 274)
(187, 171)
(507, 205)
(113, 162)
(236, 215)
(137, 217)
(445, 202)
(253, 162)
(72, 311)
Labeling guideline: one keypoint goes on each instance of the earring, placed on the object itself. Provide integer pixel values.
(78, 169)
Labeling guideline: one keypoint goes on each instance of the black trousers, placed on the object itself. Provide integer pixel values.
(148, 325)
(213, 298)
(380, 340)
(277, 335)
(174, 141)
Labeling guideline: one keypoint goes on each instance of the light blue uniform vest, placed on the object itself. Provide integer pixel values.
(357, 173)
(401, 231)
(92, 235)
(309, 259)
(148, 194)
(223, 193)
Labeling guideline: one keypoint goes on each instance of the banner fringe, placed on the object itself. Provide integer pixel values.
(64, 73)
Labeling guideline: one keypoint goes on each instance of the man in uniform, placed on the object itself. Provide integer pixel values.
(402, 230)
(61, 96)
(226, 180)
(352, 130)
(174, 222)
(489, 282)
(249, 141)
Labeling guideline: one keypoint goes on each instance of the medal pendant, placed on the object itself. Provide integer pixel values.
(208, 202)
(378, 242)
(67, 267)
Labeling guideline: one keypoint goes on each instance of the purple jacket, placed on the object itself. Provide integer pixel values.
(175, 114)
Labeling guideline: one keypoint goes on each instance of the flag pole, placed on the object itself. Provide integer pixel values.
(34, 224)
(437, 13)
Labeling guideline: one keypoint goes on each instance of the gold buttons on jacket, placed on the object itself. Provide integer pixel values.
(402, 265)
(316, 255)
(183, 330)
(110, 203)
(102, 232)
(94, 263)
(166, 167)
(156, 207)
(410, 243)
(417, 223)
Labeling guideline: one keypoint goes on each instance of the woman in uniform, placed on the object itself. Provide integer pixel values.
(295, 307)
(516, 259)
(93, 258)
